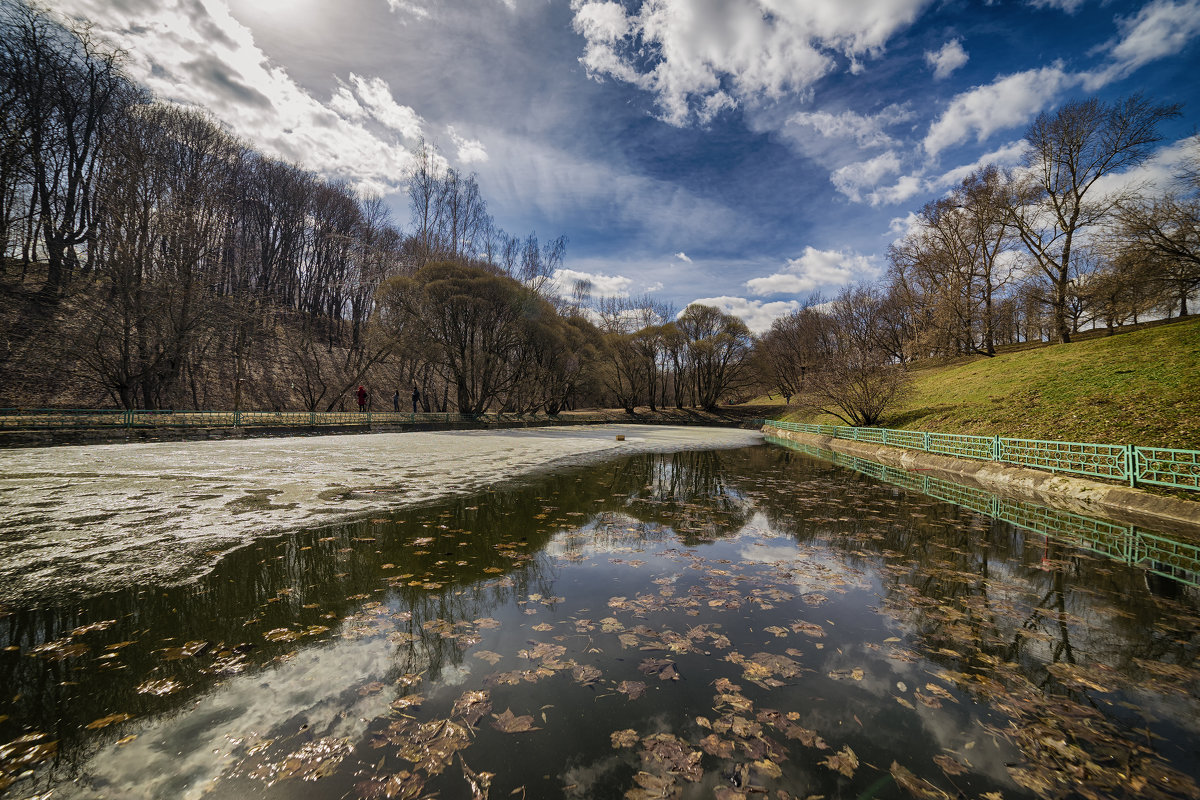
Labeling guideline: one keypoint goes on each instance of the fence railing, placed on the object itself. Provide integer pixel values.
(1154, 466)
(1156, 553)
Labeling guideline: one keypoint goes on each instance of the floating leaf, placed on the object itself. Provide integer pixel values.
(625, 738)
(843, 761)
(471, 706)
(586, 674)
(950, 765)
(509, 723)
(104, 722)
(917, 787)
(488, 656)
(634, 689)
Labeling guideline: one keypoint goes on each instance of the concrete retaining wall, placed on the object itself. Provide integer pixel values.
(1120, 503)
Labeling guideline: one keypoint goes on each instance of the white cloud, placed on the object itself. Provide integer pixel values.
(375, 96)
(199, 54)
(470, 151)
(682, 256)
(699, 57)
(813, 270)
(1069, 6)
(945, 61)
(852, 179)
(657, 286)
(408, 7)
(563, 282)
(757, 315)
(1157, 30)
(1006, 102)
(866, 131)
(908, 186)
(900, 226)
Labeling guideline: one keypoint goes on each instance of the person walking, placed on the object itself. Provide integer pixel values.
(416, 398)
(396, 401)
(362, 398)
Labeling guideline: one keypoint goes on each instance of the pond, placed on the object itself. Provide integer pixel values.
(757, 622)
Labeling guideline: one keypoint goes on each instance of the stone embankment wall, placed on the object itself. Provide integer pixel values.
(1122, 503)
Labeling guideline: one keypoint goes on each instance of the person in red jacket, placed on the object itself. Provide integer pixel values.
(362, 398)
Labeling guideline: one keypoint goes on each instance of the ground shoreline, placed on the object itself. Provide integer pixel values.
(738, 416)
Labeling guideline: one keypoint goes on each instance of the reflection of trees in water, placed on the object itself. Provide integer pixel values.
(1028, 624)
(300, 583)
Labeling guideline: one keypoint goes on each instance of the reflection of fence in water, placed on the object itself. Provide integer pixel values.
(1157, 554)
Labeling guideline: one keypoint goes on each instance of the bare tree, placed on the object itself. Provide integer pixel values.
(1055, 198)
(856, 380)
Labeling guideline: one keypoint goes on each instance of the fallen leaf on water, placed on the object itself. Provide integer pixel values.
(950, 765)
(843, 761)
(917, 787)
(104, 722)
(634, 689)
(510, 723)
(625, 738)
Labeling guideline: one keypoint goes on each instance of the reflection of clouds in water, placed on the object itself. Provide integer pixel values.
(182, 755)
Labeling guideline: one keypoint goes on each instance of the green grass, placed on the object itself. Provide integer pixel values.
(1138, 388)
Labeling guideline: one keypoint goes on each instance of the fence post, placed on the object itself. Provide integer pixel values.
(1131, 465)
(995, 448)
(926, 441)
(237, 418)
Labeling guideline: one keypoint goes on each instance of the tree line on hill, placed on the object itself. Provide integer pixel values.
(1064, 241)
(190, 270)
(185, 269)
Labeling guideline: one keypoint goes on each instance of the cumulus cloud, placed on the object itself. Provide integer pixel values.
(1157, 30)
(757, 315)
(852, 179)
(1006, 102)
(564, 281)
(199, 54)
(945, 61)
(813, 270)
(682, 256)
(699, 57)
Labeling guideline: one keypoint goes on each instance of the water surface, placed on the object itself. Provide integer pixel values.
(695, 624)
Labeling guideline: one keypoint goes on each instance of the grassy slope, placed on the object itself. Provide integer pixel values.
(1136, 388)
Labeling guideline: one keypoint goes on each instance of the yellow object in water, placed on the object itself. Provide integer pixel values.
(620, 437)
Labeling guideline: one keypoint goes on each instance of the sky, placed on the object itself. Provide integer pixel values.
(742, 153)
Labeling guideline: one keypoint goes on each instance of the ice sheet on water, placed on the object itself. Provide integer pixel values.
(88, 519)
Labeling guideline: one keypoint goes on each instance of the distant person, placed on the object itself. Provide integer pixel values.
(416, 398)
(396, 401)
(362, 398)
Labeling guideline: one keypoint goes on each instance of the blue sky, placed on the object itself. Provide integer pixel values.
(741, 152)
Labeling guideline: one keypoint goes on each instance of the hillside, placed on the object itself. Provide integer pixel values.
(1141, 387)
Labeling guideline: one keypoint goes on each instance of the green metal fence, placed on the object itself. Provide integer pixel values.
(1153, 552)
(1156, 466)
